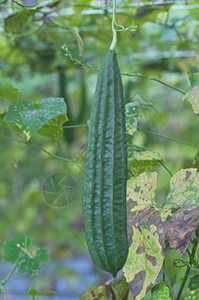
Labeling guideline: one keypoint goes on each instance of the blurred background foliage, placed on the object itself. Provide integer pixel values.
(164, 44)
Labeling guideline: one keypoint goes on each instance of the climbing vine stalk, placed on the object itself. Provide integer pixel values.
(114, 41)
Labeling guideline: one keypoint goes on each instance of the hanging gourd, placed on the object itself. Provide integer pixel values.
(104, 199)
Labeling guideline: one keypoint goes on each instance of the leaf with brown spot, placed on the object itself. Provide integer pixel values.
(119, 290)
(142, 191)
(144, 261)
(181, 228)
(142, 208)
(96, 293)
(146, 217)
(131, 113)
(183, 191)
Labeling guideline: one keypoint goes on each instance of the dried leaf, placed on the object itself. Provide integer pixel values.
(147, 217)
(144, 210)
(181, 228)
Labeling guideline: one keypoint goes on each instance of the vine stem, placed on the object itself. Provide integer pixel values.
(54, 155)
(188, 267)
(165, 167)
(8, 277)
(167, 280)
(89, 67)
(77, 36)
(24, 250)
(114, 41)
(154, 79)
(45, 151)
(80, 43)
(68, 126)
(32, 286)
(168, 138)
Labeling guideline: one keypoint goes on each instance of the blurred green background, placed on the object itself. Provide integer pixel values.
(164, 44)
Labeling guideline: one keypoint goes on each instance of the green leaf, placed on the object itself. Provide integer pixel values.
(194, 282)
(142, 191)
(8, 91)
(160, 292)
(183, 191)
(144, 261)
(193, 76)
(81, 5)
(47, 3)
(98, 293)
(35, 293)
(53, 129)
(193, 97)
(194, 295)
(17, 22)
(148, 296)
(12, 252)
(120, 290)
(131, 113)
(31, 265)
(1, 291)
(29, 119)
(13, 127)
(193, 94)
(196, 161)
(141, 160)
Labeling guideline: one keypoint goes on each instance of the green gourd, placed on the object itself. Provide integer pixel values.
(104, 199)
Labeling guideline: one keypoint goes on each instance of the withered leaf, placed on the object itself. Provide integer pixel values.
(181, 228)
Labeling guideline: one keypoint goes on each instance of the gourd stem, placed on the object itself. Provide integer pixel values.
(54, 155)
(168, 282)
(8, 277)
(114, 41)
(168, 138)
(188, 268)
(165, 167)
